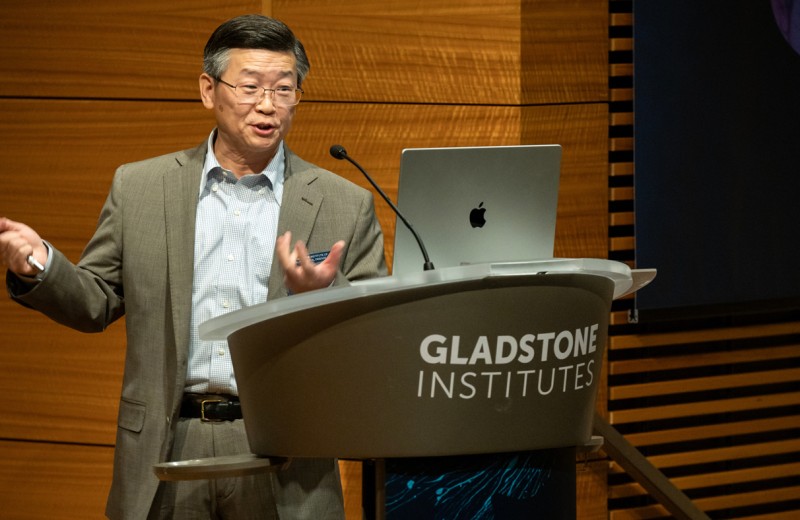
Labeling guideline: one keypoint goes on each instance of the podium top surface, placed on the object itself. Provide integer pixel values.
(626, 281)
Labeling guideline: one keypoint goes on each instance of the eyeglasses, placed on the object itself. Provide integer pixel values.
(251, 94)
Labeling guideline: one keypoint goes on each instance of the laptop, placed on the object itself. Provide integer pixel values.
(476, 205)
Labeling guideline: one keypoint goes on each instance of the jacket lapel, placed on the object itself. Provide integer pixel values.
(299, 209)
(181, 187)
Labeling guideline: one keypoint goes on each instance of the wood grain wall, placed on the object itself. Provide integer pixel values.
(89, 85)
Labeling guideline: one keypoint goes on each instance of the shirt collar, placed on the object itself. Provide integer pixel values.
(274, 172)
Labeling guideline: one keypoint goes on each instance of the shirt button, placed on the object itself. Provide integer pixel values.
(237, 213)
(262, 191)
(221, 352)
(230, 257)
(215, 187)
(226, 303)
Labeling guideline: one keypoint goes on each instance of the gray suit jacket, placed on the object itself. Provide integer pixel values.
(140, 263)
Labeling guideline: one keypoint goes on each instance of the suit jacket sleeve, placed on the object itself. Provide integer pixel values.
(364, 256)
(87, 297)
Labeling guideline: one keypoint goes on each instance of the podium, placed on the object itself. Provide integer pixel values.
(440, 372)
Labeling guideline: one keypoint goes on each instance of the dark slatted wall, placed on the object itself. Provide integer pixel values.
(712, 403)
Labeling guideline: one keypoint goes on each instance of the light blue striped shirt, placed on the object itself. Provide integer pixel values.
(236, 228)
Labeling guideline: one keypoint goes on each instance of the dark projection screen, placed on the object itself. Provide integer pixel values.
(717, 154)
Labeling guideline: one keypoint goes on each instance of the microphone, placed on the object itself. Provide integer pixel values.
(338, 152)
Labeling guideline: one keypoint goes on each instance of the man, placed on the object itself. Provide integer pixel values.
(189, 236)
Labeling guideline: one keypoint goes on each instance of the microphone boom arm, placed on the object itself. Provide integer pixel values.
(338, 152)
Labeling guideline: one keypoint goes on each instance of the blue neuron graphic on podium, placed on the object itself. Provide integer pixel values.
(463, 491)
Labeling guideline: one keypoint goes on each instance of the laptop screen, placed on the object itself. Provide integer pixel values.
(476, 205)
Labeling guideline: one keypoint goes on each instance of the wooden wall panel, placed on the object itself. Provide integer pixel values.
(591, 490)
(403, 51)
(582, 131)
(443, 51)
(40, 481)
(67, 383)
(564, 51)
(148, 49)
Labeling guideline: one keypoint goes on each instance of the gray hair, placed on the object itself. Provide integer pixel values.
(253, 31)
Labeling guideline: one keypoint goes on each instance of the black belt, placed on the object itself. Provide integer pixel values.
(211, 407)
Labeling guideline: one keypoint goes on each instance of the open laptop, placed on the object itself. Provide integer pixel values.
(476, 205)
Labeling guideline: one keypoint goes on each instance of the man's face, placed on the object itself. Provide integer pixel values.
(248, 135)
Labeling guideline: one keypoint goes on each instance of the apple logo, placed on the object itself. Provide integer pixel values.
(477, 216)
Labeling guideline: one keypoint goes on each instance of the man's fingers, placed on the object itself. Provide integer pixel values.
(302, 259)
(334, 256)
(15, 251)
(284, 249)
(18, 243)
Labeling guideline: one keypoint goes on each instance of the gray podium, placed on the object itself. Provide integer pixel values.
(492, 365)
